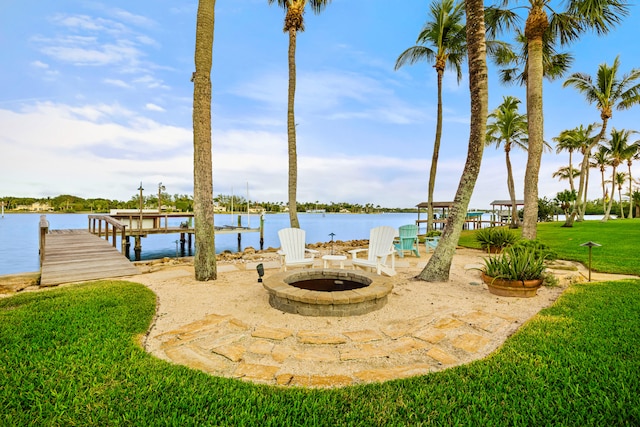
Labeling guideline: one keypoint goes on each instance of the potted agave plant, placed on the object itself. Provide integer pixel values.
(495, 239)
(517, 272)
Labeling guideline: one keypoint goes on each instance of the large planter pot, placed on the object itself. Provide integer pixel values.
(512, 288)
(495, 249)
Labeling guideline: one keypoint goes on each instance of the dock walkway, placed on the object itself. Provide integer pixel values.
(77, 255)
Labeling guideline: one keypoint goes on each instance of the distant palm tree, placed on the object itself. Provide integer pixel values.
(294, 22)
(619, 180)
(205, 254)
(568, 21)
(509, 126)
(609, 91)
(564, 200)
(630, 154)
(439, 265)
(566, 141)
(566, 172)
(601, 161)
(442, 41)
(578, 138)
(615, 150)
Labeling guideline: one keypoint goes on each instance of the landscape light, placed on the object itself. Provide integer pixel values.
(260, 269)
(590, 245)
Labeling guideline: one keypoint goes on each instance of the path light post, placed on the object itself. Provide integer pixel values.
(332, 234)
(590, 245)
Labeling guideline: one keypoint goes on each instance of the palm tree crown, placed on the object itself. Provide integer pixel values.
(608, 92)
(294, 22)
(509, 126)
(565, 25)
(446, 34)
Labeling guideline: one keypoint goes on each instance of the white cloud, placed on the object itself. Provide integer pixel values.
(117, 82)
(154, 107)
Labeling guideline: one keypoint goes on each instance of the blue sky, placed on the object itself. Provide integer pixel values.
(96, 98)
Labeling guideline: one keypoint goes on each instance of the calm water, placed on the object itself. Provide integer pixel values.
(19, 234)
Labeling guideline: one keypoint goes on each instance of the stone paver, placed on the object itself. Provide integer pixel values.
(231, 352)
(485, 321)
(365, 335)
(271, 333)
(441, 356)
(471, 343)
(312, 337)
(253, 371)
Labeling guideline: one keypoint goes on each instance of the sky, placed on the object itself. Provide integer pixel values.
(96, 98)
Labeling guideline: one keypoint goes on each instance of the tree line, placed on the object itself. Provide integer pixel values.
(179, 203)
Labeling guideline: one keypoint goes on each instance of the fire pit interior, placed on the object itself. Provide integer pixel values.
(327, 292)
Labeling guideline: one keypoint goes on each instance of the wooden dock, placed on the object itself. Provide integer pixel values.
(77, 255)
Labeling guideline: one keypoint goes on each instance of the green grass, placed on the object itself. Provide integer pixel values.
(620, 240)
(70, 356)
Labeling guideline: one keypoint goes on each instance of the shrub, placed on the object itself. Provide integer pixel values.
(496, 237)
(515, 263)
(541, 250)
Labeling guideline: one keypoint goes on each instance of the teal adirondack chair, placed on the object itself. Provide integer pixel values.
(407, 240)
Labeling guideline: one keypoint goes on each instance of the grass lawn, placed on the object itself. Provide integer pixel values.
(620, 240)
(70, 356)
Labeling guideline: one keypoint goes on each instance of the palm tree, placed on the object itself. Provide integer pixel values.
(566, 172)
(578, 138)
(608, 92)
(619, 181)
(630, 154)
(562, 28)
(615, 150)
(567, 141)
(205, 250)
(294, 22)
(601, 161)
(510, 127)
(442, 41)
(564, 200)
(439, 265)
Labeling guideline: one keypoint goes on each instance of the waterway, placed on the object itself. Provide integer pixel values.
(19, 234)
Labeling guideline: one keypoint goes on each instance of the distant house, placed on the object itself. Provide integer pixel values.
(257, 210)
(217, 207)
(35, 207)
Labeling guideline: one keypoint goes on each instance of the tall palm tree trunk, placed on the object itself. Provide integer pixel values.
(205, 251)
(515, 221)
(607, 213)
(436, 147)
(291, 133)
(586, 190)
(604, 191)
(630, 192)
(620, 198)
(535, 28)
(578, 207)
(439, 265)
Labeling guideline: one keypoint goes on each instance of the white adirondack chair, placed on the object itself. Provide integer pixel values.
(292, 251)
(380, 248)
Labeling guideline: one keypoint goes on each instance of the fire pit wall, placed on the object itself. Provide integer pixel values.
(368, 293)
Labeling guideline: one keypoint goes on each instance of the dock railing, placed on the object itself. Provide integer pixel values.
(44, 230)
(95, 227)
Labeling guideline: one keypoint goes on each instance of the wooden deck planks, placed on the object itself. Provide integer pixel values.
(77, 255)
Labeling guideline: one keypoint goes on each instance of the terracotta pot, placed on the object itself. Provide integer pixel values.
(512, 288)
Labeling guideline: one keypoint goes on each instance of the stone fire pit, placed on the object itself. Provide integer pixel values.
(327, 292)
